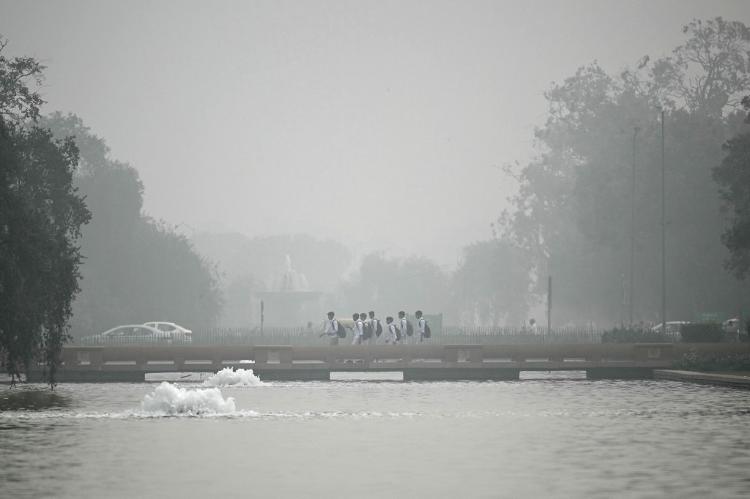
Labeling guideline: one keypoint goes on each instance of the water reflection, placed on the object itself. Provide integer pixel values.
(32, 399)
(540, 437)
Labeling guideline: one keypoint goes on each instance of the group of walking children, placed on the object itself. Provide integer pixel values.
(367, 329)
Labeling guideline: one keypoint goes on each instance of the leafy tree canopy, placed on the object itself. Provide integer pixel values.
(492, 284)
(18, 100)
(136, 269)
(573, 209)
(733, 177)
(41, 215)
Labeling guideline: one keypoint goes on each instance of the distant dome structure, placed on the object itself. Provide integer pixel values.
(290, 302)
(290, 279)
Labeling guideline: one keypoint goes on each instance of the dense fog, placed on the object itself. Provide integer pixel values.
(441, 156)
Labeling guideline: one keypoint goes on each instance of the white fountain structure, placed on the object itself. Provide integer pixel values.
(290, 302)
(290, 279)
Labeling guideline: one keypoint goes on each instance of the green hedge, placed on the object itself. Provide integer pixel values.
(707, 332)
(692, 361)
(627, 335)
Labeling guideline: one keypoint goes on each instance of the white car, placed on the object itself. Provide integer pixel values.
(731, 325)
(732, 328)
(673, 327)
(127, 334)
(175, 331)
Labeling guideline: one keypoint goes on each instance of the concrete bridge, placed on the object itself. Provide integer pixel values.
(416, 362)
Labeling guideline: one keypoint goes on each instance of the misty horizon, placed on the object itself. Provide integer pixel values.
(383, 127)
(492, 248)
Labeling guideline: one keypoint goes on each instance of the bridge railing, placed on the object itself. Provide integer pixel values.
(303, 336)
(548, 356)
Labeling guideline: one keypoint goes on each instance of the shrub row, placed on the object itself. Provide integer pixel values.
(692, 361)
(706, 332)
(628, 335)
(690, 333)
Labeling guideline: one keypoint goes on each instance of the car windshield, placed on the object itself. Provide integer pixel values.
(163, 326)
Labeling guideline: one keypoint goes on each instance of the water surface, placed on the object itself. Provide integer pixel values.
(537, 437)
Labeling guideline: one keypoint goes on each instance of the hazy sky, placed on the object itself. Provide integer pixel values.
(381, 123)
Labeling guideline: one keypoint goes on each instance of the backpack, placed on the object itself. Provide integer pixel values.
(340, 330)
(409, 328)
(366, 330)
(378, 328)
(396, 332)
(427, 332)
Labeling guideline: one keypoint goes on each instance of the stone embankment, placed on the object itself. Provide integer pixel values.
(719, 379)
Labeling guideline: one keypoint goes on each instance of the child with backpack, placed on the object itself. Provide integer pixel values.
(407, 330)
(393, 333)
(358, 329)
(366, 328)
(424, 328)
(333, 329)
(377, 327)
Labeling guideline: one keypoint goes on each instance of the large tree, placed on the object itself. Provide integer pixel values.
(19, 101)
(136, 269)
(491, 285)
(573, 210)
(733, 177)
(41, 214)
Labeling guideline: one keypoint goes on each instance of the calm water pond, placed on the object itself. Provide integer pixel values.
(539, 437)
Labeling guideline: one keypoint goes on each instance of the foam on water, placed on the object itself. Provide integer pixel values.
(170, 400)
(230, 377)
(20, 416)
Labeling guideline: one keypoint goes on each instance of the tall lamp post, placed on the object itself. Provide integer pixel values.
(632, 231)
(663, 234)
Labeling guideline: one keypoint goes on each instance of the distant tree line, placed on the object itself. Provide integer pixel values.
(247, 265)
(77, 253)
(571, 217)
(572, 213)
(490, 286)
(135, 269)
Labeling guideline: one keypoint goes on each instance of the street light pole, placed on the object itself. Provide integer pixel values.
(663, 234)
(632, 232)
(549, 305)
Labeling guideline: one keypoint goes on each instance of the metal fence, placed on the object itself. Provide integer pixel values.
(249, 336)
(515, 335)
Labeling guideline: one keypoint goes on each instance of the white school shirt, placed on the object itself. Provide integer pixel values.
(422, 323)
(392, 329)
(359, 328)
(403, 326)
(331, 327)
